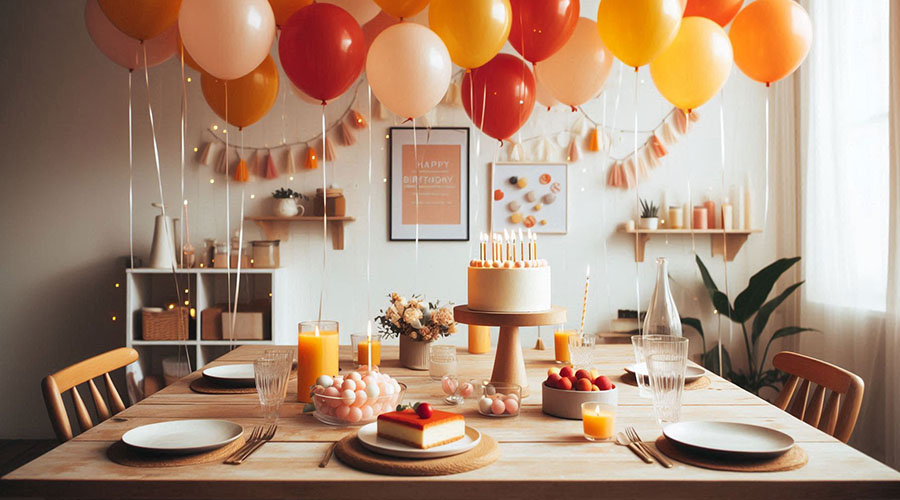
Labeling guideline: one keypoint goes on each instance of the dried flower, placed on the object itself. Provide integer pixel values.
(442, 317)
(416, 318)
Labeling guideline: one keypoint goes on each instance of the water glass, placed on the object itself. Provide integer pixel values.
(442, 361)
(355, 339)
(286, 358)
(270, 382)
(640, 366)
(666, 361)
(581, 350)
(598, 421)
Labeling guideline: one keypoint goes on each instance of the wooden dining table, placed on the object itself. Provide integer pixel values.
(542, 457)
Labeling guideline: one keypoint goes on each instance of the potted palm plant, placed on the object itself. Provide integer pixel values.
(649, 215)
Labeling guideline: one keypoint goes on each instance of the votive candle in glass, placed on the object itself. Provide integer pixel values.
(362, 351)
(598, 420)
(676, 217)
(317, 354)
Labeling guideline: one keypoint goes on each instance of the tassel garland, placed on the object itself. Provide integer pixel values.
(312, 161)
(357, 119)
(330, 153)
(240, 173)
(346, 135)
(572, 153)
(291, 163)
(271, 172)
(594, 140)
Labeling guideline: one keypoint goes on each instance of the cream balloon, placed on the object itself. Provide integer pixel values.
(227, 38)
(408, 67)
(576, 72)
(543, 95)
(361, 10)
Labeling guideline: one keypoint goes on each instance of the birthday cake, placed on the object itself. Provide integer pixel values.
(514, 280)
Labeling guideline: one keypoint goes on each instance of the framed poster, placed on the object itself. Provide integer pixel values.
(530, 196)
(429, 184)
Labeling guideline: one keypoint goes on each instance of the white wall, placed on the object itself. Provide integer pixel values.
(65, 198)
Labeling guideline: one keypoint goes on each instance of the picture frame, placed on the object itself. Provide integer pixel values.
(539, 201)
(437, 192)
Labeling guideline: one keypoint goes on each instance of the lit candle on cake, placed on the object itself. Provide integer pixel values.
(317, 354)
(522, 243)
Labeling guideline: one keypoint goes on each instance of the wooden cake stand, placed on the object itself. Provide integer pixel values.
(509, 364)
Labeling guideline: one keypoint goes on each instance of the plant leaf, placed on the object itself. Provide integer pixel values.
(762, 316)
(785, 332)
(695, 324)
(710, 360)
(719, 299)
(759, 288)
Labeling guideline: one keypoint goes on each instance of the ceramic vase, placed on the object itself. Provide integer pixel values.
(414, 353)
(286, 207)
(651, 223)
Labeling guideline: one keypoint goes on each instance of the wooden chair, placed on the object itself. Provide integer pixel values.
(85, 371)
(836, 419)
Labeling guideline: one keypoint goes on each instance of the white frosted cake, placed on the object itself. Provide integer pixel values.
(520, 286)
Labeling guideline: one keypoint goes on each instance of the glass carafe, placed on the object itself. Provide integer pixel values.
(662, 315)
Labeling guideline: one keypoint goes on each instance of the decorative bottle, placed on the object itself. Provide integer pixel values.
(662, 315)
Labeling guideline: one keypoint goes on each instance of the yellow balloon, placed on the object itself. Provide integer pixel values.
(402, 8)
(474, 31)
(695, 65)
(636, 31)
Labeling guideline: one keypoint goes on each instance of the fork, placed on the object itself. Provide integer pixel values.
(267, 435)
(636, 439)
(254, 436)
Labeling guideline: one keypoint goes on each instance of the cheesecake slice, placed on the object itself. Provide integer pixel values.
(406, 427)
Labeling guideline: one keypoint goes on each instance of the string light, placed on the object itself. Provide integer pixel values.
(187, 291)
(187, 302)
(224, 130)
(215, 127)
(196, 149)
(189, 79)
(212, 181)
(270, 294)
(117, 285)
(193, 313)
(114, 317)
(291, 178)
(171, 306)
(387, 136)
(252, 196)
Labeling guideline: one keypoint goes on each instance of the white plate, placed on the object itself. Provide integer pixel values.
(232, 375)
(368, 436)
(729, 438)
(183, 436)
(691, 373)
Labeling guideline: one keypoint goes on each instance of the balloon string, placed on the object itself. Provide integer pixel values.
(603, 240)
(369, 213)
(240, 249)
(182, 131)
(724, 238)
(228, 215)
(637, 206)
(130, 171)
(689, 218)
(324, 218)
(416, 165)
(766, 202)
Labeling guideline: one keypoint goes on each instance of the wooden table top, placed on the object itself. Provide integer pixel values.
(542, 456)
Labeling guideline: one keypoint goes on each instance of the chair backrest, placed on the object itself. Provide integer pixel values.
(53, 386)
(832, 417)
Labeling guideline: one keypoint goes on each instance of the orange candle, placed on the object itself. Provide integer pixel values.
(561, 344)
(317, 354)
(362, 351)
(479, 339)
(598, 421)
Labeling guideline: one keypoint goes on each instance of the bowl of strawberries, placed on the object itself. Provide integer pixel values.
(566, 388)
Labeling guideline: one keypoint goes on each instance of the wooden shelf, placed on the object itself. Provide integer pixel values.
(727, 243)
(278, 228)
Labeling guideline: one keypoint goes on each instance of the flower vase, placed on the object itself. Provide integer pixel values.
(414, 353)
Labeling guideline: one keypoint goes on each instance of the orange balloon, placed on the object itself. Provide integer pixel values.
(771, 39)
(283, 9)
(403, 9)
(141, 19)
(720, 11)
(250, 97)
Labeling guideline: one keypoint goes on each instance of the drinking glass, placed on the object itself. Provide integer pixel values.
(355, 339)
(270, 381)
(598, 421)
(286, 358)
(666, 361)
(442, 361)
(581, 350)
(640, 366)
(561, 344)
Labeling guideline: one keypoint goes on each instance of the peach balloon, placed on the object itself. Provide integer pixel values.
(577, 71)
(542, 94)
(227, 38)
(409, 69)
(771, 39)
(123, 49)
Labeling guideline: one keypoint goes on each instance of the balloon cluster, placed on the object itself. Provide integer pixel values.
(323, 49)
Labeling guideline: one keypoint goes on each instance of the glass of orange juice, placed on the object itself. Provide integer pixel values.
(561, 344)
(599, 421)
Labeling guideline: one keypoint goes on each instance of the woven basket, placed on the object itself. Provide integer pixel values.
(171, 324)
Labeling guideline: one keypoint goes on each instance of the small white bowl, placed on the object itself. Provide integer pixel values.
(567, 404)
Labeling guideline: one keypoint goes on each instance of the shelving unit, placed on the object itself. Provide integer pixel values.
(278, 228)
(727, 243)
(203, 288)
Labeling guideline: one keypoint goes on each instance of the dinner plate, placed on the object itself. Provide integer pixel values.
(183, 436)
(368, 436)
(232, 375)
(691, 373)
(729, 438)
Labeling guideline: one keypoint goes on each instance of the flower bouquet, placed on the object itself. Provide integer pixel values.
(417, 323)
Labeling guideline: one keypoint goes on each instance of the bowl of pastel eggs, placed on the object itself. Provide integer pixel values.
(355, 399)
(499, 400)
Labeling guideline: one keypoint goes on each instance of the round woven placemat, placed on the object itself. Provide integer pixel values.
(123, 454)
(204, 386)
(700, 383)
(352, 452)
(795, 458)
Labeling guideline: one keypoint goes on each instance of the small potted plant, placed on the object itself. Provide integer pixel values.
(649, 218)
(287, 203)
(418, 323)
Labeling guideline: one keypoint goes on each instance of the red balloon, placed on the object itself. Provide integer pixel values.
(541, 27)
(720, 11)
(322, 50)
(503, 91)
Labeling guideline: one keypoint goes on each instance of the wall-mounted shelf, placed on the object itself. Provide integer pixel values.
(727, 243)
(278, 228)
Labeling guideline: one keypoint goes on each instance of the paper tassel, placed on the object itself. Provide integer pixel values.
(357, 119)
(668, 133)
(312, 159)
(290, 166)
(630, 176)
(330, 152)
(594, 140)
(694, 116)
(270, 171)
(209, 152)
(253, 164)
(572, 153)
(657, 146)
(516, 152)
(580, 127)
(378, 110)
(681, 123)
(453, 96)
(641, 168)
(650, 158)
(616, 177)
(540, 149)
(346, 135)
(240, 173)
(221, 163)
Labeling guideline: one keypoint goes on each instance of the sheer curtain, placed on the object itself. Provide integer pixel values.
(849, 209)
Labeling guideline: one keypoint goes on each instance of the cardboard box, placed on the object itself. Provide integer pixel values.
(247, 326)
(211, 323)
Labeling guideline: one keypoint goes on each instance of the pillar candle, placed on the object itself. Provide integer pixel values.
(710, 214)
(676, 218)
(479, 339)
(362, 352)
(727, 215)
(700, 218)
(317, 354)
